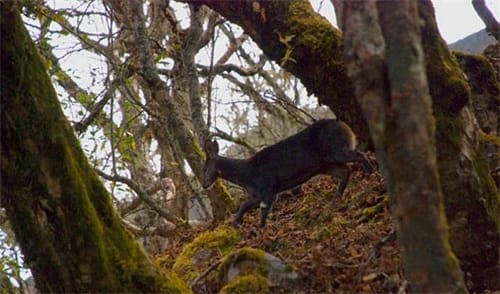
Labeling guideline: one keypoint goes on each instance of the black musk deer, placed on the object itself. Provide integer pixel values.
(322, 148)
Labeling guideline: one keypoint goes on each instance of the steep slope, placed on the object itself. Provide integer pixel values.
(346, 245)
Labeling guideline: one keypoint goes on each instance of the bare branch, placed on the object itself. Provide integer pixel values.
(214, 19)
(144, 197)
(205, 273)
(235, 44)
(492, 25)
(220, 68)
(223, 135)
(164, 231)
(81, 36)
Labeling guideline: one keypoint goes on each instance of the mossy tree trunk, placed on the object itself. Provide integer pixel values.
(471, 196)
(403, 132)
(61, 213)
(307, 46)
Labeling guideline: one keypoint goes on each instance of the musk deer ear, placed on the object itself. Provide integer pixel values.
(211, 147)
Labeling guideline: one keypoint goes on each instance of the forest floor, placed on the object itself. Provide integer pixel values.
(345, 245)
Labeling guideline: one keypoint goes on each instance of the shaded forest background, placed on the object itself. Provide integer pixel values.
(154, 96)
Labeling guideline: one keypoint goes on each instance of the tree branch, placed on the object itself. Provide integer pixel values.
(144, 197)
(220, 68)
(223, 135)
(492, 25)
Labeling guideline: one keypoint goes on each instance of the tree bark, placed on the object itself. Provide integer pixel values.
(492, 25)
(411, 157)
(485, 91)
(397, 105)
(60, 212)
(472, 201)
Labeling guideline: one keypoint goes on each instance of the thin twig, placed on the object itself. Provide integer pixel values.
(388, 237)
(270, 95)
(223, 135)
(144, 197)
(205, 273)
(209, 82)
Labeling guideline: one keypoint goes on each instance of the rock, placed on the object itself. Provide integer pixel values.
(252, 270)
(205, 250)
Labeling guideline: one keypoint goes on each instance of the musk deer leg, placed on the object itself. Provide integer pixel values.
(252, 203)
(266, 205)
(366, 163)
(344, 172)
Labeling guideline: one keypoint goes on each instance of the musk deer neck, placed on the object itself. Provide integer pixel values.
(234, 170)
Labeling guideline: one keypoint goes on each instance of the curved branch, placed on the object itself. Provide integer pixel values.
(223, 135)
(492, 25)
(144, 197)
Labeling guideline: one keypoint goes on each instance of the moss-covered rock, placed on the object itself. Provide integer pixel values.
(175, 284)
(205, 250)
(253, 264)
(246, 284)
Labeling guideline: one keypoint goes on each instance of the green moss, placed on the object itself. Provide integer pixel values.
(480, 71)
(447, 84)
(174, 284)
(198, 150)
(245, 254)
(254, 283)
(336, 225)
(303, 212)
(470, 195)
(203, 250)
(485, 182)
(370, 212)
(225, 195)
(313, 37)
(166, 262)
(307, 207)
(316, 31)
(320, 234)
(489, 138)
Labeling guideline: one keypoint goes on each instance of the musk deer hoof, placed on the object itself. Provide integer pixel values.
(236, 223)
